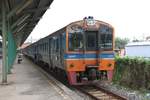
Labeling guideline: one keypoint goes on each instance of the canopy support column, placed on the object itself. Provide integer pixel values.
(11, 49)
(4, 44)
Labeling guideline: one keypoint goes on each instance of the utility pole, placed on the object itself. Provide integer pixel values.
(4, 45)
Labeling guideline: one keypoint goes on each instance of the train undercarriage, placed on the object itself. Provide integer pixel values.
(88, 76)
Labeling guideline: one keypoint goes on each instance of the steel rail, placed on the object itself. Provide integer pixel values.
(97, 93)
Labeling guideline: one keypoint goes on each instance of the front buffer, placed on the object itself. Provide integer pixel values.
(81, 72)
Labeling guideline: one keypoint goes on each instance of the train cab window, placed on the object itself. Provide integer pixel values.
(106, 38)
(91, 40)
(75, 41)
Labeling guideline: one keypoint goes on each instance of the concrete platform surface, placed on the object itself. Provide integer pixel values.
(27, 83)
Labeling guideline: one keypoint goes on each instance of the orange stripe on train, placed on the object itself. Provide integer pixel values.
(80, 64)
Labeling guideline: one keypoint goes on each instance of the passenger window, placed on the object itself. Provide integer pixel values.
(50, 45)
(64, 41)
(53, 45)
(61, 43)
(57, 44)
(43, 46)
(46, 47)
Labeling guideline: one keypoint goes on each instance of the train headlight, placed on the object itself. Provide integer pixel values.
(71, 65)
(109, 65)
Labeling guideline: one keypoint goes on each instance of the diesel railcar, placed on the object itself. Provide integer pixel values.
(83, 49)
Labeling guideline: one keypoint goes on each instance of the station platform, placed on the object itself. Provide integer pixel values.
(27, 82)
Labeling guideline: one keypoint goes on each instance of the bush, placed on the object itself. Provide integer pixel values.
(132, 72)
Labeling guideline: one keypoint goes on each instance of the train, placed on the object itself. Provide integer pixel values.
(83, 49)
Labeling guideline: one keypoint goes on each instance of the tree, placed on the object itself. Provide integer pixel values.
(120, 43)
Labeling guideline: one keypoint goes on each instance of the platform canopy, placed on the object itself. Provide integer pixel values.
(17, 20)
(22, 16)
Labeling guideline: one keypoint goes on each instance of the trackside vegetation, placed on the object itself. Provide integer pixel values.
(132, 72)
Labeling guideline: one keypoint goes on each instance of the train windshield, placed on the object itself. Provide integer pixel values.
(92, 40)
(106, 38)
(75, 41)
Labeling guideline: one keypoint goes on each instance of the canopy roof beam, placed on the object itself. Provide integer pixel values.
(20, 20)
(34, 10)
(19, 8)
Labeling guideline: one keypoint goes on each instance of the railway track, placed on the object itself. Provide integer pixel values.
(92, 91)
(98, 93)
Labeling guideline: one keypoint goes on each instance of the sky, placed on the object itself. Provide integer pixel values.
(130, 18)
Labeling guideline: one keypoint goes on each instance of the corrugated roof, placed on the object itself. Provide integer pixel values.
(138, 43)
(24, 15)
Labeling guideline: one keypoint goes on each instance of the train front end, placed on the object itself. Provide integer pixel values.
(90, 51)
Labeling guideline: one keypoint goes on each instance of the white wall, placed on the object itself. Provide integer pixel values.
(143, 51)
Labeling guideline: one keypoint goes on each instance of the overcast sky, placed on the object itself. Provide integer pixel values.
(130, 18)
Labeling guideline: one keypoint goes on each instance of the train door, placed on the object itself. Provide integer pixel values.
(58, 51)
(92, 54)
(61, 51)
(53, 56)
(92, 51)
(55, 52)
(50, 52)
(36, 51)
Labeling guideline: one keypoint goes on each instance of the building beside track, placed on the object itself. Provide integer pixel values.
(139, 49)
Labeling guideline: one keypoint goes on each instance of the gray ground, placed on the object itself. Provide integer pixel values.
(27, 83)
